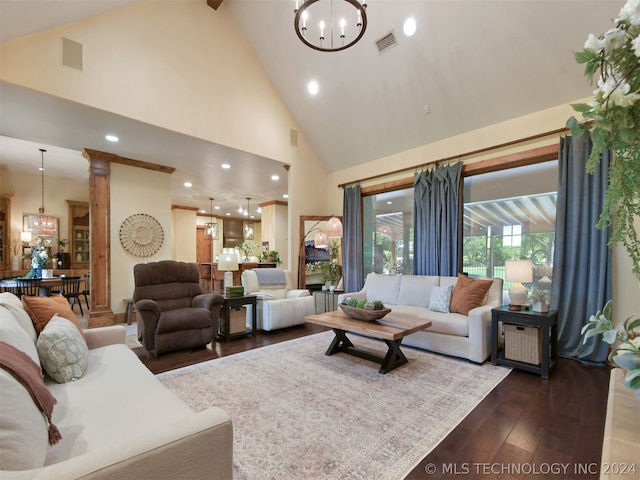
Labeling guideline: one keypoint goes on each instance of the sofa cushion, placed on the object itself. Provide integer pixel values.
(62, 350)
(12, 333)
(13, 304)
(174, 320)
(24, 437)
(94, 411)
(385, 288)
(416, 289)
(440, 298)
(469, 293)
(42, 309)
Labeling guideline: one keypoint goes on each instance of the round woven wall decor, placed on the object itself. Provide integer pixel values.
(141, 235)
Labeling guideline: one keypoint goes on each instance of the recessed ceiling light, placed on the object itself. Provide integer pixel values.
(111, 138)
(227, 214)
(225, 166)
(313, 87)
(217, 207)
(389, 202)
(275, 177)
(188, 184)
(286, 195)
(409, 27)
(202, 210)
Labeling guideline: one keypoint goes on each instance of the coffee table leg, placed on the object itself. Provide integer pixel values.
(394, 357)
(340, 341)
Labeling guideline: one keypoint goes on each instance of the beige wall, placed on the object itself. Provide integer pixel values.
(136, 190)
(183, 226)
(181, 66)
(26, 189)
(626, 288)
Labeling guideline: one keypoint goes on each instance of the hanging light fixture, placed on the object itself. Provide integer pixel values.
(41, 225)
(334, 228)
(248, 226)
(211, 227)
(330, 25)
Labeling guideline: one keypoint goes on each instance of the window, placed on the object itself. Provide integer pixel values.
(510, 215)
(388, 232)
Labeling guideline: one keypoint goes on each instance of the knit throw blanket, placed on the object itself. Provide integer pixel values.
(28, 373)
(271, 276)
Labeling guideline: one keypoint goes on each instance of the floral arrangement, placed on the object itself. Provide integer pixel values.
(39, 256)
(540, 296)
(613, 117)
(247, 247)
(627, 354)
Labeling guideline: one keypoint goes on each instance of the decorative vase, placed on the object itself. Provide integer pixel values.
(270, 260)
(541, 307)
(37, 272)
(15, 263)
(47, 273)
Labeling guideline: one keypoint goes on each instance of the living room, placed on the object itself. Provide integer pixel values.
(241, 86)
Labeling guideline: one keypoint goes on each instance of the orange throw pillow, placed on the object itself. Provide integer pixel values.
(42, 309)
(468, 294)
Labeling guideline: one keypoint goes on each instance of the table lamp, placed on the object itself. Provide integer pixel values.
(518, 271)
(228, 262)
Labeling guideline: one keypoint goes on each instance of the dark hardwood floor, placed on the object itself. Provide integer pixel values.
(547, 429)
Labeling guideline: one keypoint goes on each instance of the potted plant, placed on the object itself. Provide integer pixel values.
(611, 116)
(627, 354)
(540, 300)
(271, 256)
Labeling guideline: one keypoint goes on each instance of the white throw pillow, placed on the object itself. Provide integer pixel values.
(383, 287)
(62, 350)
(12, 332)
(440, 298)
(14, 305)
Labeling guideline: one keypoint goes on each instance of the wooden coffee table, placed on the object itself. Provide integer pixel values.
(390, 329)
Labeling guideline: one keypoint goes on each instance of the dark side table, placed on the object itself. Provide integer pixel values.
(232, 313)
(545, 322)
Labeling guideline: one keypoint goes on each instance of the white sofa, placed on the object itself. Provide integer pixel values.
(465, 336)
(279, 305)
(117, 420)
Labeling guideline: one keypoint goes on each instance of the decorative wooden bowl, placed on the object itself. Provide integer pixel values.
(362, 314)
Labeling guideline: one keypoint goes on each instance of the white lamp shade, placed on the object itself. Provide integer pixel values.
(518, 271)
(334, 228)
(320, 240)
(228, 260)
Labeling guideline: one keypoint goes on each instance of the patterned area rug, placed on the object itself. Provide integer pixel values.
(299, 414)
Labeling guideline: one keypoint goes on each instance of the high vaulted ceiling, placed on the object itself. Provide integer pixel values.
(471, 63)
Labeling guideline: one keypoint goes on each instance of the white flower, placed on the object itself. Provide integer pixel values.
(593, 43)
(630, 12)
(613, 39)
(635, 44)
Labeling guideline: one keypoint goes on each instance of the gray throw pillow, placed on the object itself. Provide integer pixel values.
(440, 298)
(62, 350)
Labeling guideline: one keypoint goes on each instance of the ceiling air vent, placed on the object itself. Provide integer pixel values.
(386, 42)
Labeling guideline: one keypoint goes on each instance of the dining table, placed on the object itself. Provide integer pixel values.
(46, 285)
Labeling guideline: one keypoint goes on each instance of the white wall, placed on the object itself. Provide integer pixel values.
(136, 190)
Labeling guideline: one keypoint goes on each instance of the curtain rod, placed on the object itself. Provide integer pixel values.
(459, 156)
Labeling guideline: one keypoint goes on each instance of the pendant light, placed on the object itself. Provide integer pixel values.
(248, 226)
(42, 225)
(211, 227)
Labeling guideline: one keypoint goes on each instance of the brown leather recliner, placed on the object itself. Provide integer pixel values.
(172, 312)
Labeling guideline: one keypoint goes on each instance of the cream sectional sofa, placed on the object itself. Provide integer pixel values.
(465, 336)
(117, 420)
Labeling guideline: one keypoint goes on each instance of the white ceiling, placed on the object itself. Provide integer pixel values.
(473, 62)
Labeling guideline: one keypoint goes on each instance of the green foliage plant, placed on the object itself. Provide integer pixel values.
(613, 117)
(627, 353)
(272, 253)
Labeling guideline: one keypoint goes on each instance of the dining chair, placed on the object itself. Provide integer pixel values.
(86, 292)
(71, 291)
(27, 286)
(8, 285)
